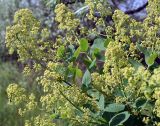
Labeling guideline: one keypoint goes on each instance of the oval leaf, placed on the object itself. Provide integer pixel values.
(115, 107)
(86, 80)
(101, 102)
(150, 59)
(76, 53)
(84, 44)
(135, 63)
(92, 64)
(99, 43)
(140, 102)
(143, 50)
(119, 119)
(78, 72)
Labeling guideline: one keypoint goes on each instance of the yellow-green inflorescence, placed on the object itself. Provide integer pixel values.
(129, 31)
(16, 94)
(65, 17)
(65, 100)
(27, 38)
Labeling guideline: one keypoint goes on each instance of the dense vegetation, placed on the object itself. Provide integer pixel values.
(91, 66)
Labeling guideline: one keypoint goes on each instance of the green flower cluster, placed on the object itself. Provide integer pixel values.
(124, 83)
(40, 121)
(16, 94)
(129, 31)
(120, 74)
(27, 105)
(103, 10)
(27, 38)
(65, 100)
(65, 17)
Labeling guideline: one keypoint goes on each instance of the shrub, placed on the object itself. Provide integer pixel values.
(82, 85)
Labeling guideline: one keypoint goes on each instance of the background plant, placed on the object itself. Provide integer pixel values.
(12, 72)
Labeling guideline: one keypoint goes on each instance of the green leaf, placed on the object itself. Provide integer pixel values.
(78, 72)
(119, 119)
(84, 44)
(147, 109)
(81, 10)
(70, 71)
(71, 47)
(51, 3)
(86, 80)
(99, 43)
(149, 55)
(92, 64)
(101, 102)
(93, 93)
(151, 59)
(135, 63)
(60, 51)
(54, 116)
(143, 50)
(115, 107)
(77, 52)
(140, 102)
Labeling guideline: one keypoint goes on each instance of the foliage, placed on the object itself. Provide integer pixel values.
(106, 73)
(8, 114)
